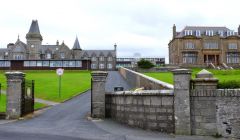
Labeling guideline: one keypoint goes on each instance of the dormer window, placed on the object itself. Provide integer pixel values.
(198, 33)
(209, 32)
(109, 58)
(101, 58)
(62, 55)
(94, 59)
(187, 32)
(220, 32)
(230, 33)
(49, 55)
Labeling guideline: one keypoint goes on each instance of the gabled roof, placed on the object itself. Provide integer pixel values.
(76, 45)
(98, 53)
(34, 27)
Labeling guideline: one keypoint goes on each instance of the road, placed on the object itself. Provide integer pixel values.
(68, 121)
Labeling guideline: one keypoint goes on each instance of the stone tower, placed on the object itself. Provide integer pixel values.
(76, 49)
(34, 38)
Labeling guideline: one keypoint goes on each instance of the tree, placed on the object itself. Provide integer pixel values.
(145, 64)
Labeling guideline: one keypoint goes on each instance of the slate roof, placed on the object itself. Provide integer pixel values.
(203, 30)
(34, 27)
(98, 53)
(76, 45)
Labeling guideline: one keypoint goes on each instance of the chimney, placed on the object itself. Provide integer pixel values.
(57, 43)
(174, 31)
(115, 46)
(239, 30)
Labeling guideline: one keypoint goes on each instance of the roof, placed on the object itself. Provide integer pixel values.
(34, 27)
(76, 45)
(203, 30)
(98, 53)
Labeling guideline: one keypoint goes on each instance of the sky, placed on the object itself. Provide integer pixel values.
(136, 26)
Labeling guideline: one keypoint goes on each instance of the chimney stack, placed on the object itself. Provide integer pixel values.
(174, 31)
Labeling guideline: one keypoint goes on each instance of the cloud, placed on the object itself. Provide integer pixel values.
(143, 26)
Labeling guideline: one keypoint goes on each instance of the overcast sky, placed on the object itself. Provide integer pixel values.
(137, 26)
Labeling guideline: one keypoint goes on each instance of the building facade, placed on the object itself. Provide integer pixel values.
(131, 62)
(197, 46)
(34, 55)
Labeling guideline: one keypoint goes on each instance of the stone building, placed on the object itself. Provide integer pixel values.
(34, 55)
(198, 46)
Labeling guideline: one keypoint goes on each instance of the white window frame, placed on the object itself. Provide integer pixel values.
(198, 33)
(101, 66)
(109, 66)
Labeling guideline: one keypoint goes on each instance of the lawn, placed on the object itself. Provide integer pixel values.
(46, 83)
(222, 75)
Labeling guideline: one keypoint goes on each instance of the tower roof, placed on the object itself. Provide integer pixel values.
(76, 45)
(34, 27)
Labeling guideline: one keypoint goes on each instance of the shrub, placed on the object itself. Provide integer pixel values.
(229, 84)
(145, 64)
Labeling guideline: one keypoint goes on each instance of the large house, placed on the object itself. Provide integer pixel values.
(34, 55)
(197, 46)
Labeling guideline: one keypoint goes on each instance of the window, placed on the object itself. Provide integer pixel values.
(101, 58)
(32, 63)
(232, 46)
(189, 45)
(78, 63)
(109, 66)
(62, 55)
(71, 63)
(109, 58)
(188, 32)
(65, 64)
(4, 63)
(189, 58)
(220, 32)
(229, 33)
(101, 66)
(93, 66)
(94, 59)
(198, 33)
(17, 57)
(39, 63)
(209, 32)
(211, 45)
(49, 55)
(45, 63)
(233, 58)
(26, 63)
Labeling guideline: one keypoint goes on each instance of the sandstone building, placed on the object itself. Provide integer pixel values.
(34, 55)
(197, 46)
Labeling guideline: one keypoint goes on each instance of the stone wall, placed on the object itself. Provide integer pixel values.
(139, 80)
(149, 109)
(216, 112)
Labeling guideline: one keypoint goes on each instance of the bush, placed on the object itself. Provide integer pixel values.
(229, 84)
(145, 64)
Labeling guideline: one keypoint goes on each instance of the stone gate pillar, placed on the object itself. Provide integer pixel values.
(98, 94)
(182, 79)
(14, 94)
(205, 81)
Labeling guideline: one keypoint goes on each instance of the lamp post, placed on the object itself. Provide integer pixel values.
(59, 72)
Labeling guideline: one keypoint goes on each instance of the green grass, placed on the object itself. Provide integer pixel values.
(3, 103)
(38, 105)
(222, 75)
(46, 83)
